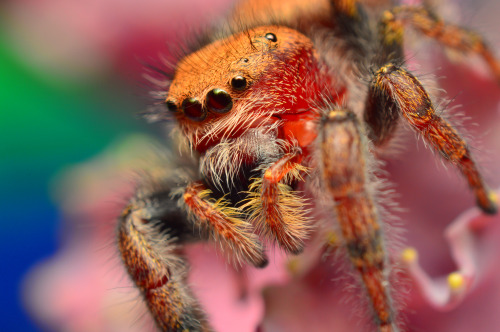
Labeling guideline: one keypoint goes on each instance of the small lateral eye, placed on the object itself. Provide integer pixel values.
(171, 106)
(219, 101)
(193, 110)
(239, 82)
(271, 36)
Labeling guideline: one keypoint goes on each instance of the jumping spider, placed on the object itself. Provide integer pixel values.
(286, 110)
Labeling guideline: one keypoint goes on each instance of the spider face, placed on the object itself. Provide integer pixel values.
(251, 79)
(286, 122)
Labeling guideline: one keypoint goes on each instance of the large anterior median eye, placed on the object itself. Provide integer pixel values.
(193, 110)
(219, 101)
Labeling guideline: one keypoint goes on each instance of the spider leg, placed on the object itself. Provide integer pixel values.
(453, 36)
(152, 230)
(276, 210)
(394, 92)
(344, 169)
(222, 222)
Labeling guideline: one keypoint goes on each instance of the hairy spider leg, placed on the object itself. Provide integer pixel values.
(151, 229)
(344, 169)
(394, 91)
(276, 210)
(222, 222)
(453, 36)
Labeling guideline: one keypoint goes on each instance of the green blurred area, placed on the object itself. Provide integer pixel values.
(48, 123)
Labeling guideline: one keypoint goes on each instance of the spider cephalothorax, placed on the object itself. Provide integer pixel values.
(252, 79)
(272, 111)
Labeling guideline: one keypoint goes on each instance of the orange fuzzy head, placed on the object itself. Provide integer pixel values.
(244, 81)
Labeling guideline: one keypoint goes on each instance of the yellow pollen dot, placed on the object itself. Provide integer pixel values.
(331, 239)
(409, 255)
(456, 280)
(388, 15)
(293, 266)
(493, 197)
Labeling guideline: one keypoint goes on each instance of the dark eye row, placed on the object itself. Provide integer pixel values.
(217, 101)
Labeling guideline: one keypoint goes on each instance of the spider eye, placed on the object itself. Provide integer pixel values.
(171, 106)
(271, 36)
(219, 101)
(193, 110)
(239, 82)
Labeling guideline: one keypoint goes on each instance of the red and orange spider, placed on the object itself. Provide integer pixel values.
(286, 110)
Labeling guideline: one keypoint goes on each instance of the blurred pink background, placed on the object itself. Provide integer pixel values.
(93, 47)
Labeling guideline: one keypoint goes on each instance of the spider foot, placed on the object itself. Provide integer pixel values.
(488, 202)
(276, 209)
